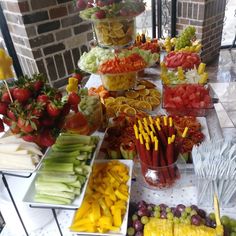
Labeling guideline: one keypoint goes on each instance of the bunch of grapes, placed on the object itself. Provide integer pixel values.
(185, 38)
(179, 215)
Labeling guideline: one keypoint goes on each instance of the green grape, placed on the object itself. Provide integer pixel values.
(193, 212)
(134, 217)
(130, 231)
(144, 220)
(157, 208)
(181, 220)
(170, 215)
(233, 229)
(185, 37)
(188, 209)
(184, 214)
(233, 234)
(225, 220)
(232, 223)
(176, 220)
(168, 210)
(212, 216)
(157, 214)
(187, 221)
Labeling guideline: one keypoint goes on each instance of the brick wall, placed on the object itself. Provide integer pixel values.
(48, 35)
(207, 16)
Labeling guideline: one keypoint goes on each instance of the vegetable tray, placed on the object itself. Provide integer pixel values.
(30, 193)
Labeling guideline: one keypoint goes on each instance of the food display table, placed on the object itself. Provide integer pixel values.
(185, 193)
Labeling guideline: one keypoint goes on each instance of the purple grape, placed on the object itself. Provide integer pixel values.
(177, 213)
(139, 233)
(202, 213)
(142, 204)
(163, 215)
(180, 207)
(150, 207)
(143, 212)
(196, 220)
(194, 207)
(172, 209)
(210, 223)
(163, 207)
(138, 226)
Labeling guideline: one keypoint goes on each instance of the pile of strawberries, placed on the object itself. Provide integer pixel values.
(37, 112)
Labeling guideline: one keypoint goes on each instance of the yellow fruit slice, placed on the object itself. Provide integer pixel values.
(139, 87)
(130, 111)
(131, 94)
(154, 101)
(155, 93)
(121, 108)
(144, 105)
(109, 99)
(143, 92)
(120, 99)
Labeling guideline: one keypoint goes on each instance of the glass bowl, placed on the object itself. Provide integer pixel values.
(116, 33)
(187, 99)
(119, 82)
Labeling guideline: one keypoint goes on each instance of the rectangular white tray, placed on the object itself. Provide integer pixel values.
(123, 228)
(30, 193)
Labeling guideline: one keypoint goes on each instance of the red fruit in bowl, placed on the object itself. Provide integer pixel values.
(54, 109)
(46, 139)
(100, 14)
(81, 4)
(29, 138)
(73, 98)
(6, 97)
(43, 98)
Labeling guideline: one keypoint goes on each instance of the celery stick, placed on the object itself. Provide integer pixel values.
(47, 186)
(79, 170)
(66, 138)
(77, 191)
(59, 178)
(76, 184)
(82, 157)
(87, 148)
(86, 169)
(95, 139)
(58, 194)
(65, 150)
(62, 154)
(81, 178)
(60, 160)
(67, 167)
(51, 199)
(42, 171)
(68, 148)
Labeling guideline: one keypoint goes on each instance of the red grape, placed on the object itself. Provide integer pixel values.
(180, 207)
(138, 226)
(196, 220)
(81, 4)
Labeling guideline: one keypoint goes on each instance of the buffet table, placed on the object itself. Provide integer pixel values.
(40, 221)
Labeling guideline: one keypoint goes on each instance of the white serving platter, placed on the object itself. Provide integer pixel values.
(30, 193)
(123, 228)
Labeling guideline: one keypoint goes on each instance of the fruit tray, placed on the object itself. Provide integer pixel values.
(187, 99)
(123, 228)
(30, 193)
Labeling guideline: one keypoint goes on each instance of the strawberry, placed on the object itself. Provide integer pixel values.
(66, 109)
(14, 128)
(3, 108)
(11, 115)
(47, 121)
(21, 94)
(100, 14)
(46, 139)
(30, 138)
(27, 125)
(73, 99)
(58, 95)
(7, 121)
(38, 110)
(43, 98)
(54, 108)
(6, 97)
(37, 85)
(1, 125)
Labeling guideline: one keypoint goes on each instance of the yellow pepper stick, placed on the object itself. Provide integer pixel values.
(152, 136)
(170, 121)
(155, 143)
(147, 129)
(158, 125)
(150, 119)
(152, 128)
(172, 138)
(147, 146)
(136, 131)
(180, 73)
(140, 124)
(201, 68)
(184, 134)
(158, 120)
(145, 121)
(141, 138)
